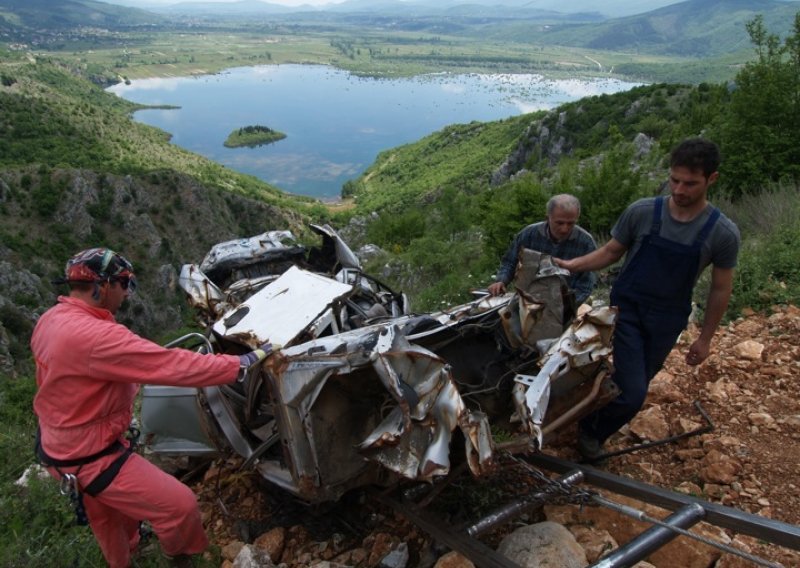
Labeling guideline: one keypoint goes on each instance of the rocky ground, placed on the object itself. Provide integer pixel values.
(748, 387)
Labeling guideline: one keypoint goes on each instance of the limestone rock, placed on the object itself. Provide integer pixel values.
(760, 419)
(397, 558)
(453, 560)
(231, 550)
(720, 468)
(542, 545)
(749, 349)
(650, 424)
(251, 557)
(689, 488)
(595, 543)
(643, 144)
(663, 390)
(272, 542)
(793, 421)
(368, 252)
(685, 425)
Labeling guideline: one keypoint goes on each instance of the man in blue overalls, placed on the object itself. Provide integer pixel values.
(669, 240)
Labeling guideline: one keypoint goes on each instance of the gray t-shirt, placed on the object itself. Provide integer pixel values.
(721, 248)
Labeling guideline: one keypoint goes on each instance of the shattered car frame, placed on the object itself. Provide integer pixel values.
(364, 392)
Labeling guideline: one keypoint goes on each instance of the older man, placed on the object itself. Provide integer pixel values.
(559, 236)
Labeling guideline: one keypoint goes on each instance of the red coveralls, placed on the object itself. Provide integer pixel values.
(88, 368)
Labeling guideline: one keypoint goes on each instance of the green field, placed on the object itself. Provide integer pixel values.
(372, 53)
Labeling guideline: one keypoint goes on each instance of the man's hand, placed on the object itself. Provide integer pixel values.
(563, 263)
(698, 352)
(497, 288)
(257, 355)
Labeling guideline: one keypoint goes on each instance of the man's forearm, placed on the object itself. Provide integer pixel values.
(716, 305)
(718, 297)
(606, 255)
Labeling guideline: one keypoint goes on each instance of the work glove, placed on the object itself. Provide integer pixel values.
(257, 355)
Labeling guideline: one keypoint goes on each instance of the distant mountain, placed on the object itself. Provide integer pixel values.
(72, 14)
(699, 28)
(611, 9)
(693, 28)
(415, 8)
(227, 8)
(406, 9)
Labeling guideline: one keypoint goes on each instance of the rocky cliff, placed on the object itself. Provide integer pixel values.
(159, 221)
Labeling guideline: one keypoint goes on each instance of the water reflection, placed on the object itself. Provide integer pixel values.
(336, 123)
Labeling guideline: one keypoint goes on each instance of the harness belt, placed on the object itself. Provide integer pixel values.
(108, 474)
(105, 477)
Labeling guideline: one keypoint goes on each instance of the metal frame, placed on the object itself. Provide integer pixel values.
(776, 532)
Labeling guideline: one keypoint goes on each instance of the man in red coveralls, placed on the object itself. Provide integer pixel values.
(88, 371)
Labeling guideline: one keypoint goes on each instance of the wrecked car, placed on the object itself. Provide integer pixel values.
(363, 391)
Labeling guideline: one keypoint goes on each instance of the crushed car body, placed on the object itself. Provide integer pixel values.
(365, 392)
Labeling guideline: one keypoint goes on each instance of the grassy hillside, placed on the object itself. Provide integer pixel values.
(462, 156)
(77, 172)
(69, 15)
(53, 116)
(470, 157)
(443, 231)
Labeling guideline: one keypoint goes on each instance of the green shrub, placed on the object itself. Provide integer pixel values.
(396, 231)
(769, 271)
(37, 523)
(769, 261)
(508, 209)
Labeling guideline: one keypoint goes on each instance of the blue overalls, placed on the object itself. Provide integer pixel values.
(654, 296)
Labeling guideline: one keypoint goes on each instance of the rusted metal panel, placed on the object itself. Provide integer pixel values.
(203, 294)
(344, 255)
(283, 309)
(362, 393)
(237, 252)
(585, 343)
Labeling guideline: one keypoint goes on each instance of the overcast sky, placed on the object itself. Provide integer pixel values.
(283, 2)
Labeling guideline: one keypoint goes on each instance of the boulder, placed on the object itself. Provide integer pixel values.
(453, 560)
(543, 545)
(650, 424)
(272, 542)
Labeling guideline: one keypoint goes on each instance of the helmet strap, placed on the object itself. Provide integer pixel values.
(96, 291)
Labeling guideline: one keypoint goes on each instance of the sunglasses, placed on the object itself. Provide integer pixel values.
(126, 282)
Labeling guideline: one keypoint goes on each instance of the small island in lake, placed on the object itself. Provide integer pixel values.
(253, 136)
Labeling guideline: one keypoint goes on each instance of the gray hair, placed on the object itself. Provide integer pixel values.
(563, 201)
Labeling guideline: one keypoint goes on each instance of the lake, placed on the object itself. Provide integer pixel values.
(336, 123)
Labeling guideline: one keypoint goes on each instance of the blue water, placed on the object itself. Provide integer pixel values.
(336, 123)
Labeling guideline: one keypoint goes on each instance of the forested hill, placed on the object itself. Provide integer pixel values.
(696, 28)
(70, 15)
(77, 172)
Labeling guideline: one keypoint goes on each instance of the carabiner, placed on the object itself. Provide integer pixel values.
(69, 484)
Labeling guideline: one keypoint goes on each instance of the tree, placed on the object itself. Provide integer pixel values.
(761, 139)
(609, 186)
